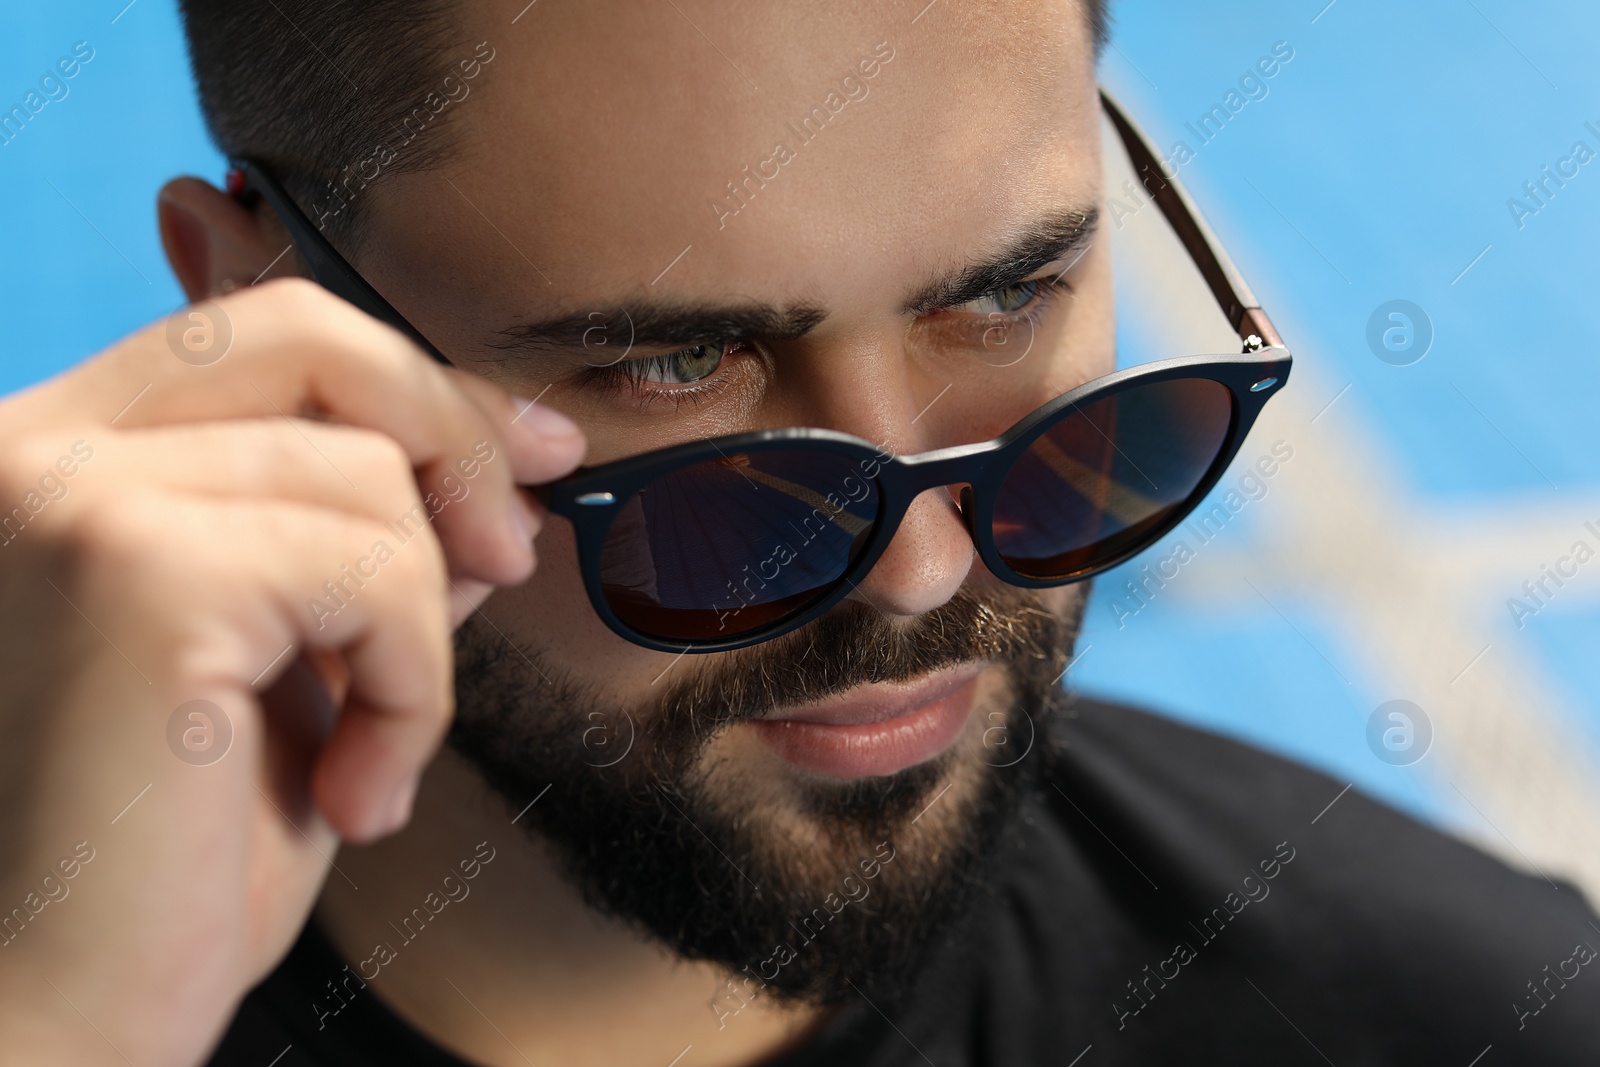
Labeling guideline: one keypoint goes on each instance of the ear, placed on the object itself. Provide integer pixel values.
(214, 243)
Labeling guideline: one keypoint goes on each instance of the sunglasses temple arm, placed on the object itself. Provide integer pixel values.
(333, 272)
(1227, 285)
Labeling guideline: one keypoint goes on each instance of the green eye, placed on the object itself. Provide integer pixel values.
(1004, 301)
(681, 367)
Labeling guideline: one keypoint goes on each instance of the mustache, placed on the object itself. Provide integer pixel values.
(857, 645)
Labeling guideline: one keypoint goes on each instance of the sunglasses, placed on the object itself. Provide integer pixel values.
(723, 543)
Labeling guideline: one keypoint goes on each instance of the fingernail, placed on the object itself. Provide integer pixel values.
(400, 806)
(542, 420)
(521, 526)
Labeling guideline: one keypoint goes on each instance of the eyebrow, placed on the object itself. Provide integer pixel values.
(1047, 240)
(663, 323)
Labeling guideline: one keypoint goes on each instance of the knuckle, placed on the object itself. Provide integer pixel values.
(291, 293)
(376, 352)
(304, 313)
(386, 454)
(422, 589)
(295, 308)
(382, 460)
(422, 563)
(256, 452)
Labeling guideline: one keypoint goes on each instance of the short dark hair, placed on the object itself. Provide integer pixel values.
(330, 95)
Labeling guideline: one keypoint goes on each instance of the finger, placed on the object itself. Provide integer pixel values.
(296, 350)
(393, 631)
(549, 445)
(262, 583)
(326, 465)
(329, 581)
(542, 444)
(342, 468)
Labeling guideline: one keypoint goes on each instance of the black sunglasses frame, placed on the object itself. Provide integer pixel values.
(591, 498)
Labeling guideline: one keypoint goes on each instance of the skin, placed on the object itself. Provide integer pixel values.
(228, 493)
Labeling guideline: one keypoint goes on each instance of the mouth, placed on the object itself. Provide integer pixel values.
(876, 729)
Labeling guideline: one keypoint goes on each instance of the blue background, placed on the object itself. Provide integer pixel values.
(1377, 168)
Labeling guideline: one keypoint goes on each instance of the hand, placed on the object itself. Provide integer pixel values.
(253, 534)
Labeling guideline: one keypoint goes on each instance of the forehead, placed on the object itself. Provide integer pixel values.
(668, 147)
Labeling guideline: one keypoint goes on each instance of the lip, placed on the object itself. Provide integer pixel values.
(874, 729)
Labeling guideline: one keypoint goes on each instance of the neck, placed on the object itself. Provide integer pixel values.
(463, 925)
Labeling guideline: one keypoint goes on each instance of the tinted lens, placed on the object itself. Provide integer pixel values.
(1109, 477)
(733, 544)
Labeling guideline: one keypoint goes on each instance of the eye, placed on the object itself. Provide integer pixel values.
(683, 367)
(1006, 300)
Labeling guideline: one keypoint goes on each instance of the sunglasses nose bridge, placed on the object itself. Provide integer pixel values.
(963, 467)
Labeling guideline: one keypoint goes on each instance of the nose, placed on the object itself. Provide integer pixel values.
(928, 560)
(901, 407)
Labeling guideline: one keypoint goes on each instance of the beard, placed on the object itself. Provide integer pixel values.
(811, 892)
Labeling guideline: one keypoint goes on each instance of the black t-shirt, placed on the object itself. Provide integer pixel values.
(1173, 897)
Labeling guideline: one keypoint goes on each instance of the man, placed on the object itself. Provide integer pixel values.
(883, 836)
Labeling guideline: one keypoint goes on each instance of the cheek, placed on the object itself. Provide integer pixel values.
(1064, 600)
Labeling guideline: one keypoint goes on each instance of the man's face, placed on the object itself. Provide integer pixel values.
(833, 172)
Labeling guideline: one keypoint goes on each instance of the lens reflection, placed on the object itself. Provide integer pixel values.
(734, 544)
(1109, 476)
